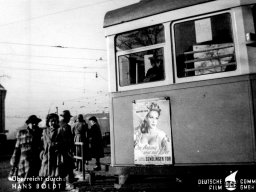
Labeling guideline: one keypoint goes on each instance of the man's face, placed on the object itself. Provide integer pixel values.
(91, 122)
(33, 126)
(66, 118)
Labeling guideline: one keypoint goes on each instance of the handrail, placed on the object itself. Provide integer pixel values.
(210, 67)
(210, 49)
(209, 58)
(80, 158)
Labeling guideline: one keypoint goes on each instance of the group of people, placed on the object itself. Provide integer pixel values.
(43, 158)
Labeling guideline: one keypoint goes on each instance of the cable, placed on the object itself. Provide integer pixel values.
(52, 46)
(48, 70)
(27, 69)
(44, 56)
(69, 66)
(58, 12)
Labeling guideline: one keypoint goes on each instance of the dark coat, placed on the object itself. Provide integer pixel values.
(65, 131)
(68, 146)
(154, 74)
(96, 141)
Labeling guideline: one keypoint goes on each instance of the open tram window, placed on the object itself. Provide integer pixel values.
(204, 46)
(140, 55)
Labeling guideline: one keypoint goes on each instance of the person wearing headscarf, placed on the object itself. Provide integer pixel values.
(96, 141)
(26, 155)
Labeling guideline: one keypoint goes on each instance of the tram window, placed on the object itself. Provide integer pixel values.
(140, 38)
(254, 16)
(204, 46)
(140, 55)
(141, 67)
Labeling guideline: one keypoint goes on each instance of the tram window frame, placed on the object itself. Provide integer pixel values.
(202, 49)
(140, 57)
(254, 16)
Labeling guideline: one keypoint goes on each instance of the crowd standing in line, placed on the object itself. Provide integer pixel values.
(43, 158)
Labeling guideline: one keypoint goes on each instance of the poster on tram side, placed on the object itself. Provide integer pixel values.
(152, 132)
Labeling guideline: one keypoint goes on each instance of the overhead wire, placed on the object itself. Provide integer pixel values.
(53, 57)
(50, 14)
(53, 46)
(47, 70)
(50, 64)
(58, 71)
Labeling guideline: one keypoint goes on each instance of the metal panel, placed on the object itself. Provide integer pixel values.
(212, 121)
(213, 124)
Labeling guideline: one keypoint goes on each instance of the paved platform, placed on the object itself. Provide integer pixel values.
(105, 180)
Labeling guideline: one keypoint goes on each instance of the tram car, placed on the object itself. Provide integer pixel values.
(182, 86)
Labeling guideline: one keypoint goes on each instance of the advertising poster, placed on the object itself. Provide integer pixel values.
(152, 132)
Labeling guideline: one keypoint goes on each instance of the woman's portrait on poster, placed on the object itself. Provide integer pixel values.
(148, 137)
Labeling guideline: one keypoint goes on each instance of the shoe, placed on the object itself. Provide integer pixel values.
(97, 168)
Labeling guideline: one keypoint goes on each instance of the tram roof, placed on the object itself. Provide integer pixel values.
(146, 8)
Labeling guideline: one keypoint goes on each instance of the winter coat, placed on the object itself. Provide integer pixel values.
(68, 146)
(53, 168)
(96, 141)
(26, 155)
(68, 137)
(52, 155)
(80, 131)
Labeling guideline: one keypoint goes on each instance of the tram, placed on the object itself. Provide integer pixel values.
(193, 63)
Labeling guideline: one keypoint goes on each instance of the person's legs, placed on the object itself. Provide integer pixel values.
(98, 167)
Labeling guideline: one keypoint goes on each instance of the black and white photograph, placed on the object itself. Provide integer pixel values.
(127, 95)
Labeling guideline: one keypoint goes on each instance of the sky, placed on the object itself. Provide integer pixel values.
(53, 57)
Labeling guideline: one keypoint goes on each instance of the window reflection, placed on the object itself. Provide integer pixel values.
(140, 38)
(204, 46)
